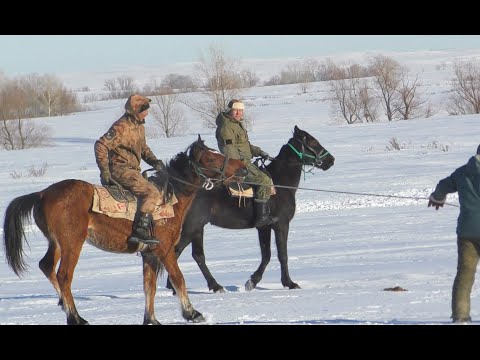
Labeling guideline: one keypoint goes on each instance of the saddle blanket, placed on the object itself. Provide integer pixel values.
(105, 203)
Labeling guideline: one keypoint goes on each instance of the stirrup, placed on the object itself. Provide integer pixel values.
(136, 240)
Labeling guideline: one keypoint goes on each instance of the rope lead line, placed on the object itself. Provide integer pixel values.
(351, 193)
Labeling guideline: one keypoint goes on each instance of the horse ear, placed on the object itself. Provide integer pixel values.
(199, 138)
(296, 129)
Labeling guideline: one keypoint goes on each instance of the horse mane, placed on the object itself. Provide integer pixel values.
(179, 167)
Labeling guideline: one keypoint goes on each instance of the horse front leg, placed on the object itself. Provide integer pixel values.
(198, 255)
(151, 268)
(182, 244)
(281, 237)
(178, 282)
(264, 238)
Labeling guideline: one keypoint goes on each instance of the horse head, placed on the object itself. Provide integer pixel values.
(309, 150)
(210, 163)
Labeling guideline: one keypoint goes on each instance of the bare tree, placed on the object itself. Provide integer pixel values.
(352, 98)
(183, 83)
(387, 77)
(368, 103)
(16, 131)
(221, 82)
(167, 115)
(465, 97)
(120, 87)
(126, 83)
(409, 105)
(110, 85)
(344, 100)
(249, 78)
(49, 94)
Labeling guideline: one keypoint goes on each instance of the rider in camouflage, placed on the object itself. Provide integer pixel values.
(118, 154)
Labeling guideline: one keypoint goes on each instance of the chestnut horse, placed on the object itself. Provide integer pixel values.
(219, 208)
(66, 231)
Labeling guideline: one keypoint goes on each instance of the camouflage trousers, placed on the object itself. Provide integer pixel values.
(468, 256)
(146, 193)
(255, 175)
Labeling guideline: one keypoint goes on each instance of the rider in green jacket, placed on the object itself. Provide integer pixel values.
(232, 139)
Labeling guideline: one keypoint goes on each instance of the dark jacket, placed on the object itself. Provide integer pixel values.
(465, 180)
(124, 143)
(232, 139)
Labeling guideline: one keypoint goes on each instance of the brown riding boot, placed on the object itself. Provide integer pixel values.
(262, 213)
(143, 230)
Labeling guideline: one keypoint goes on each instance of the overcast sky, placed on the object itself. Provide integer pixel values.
(22, 54)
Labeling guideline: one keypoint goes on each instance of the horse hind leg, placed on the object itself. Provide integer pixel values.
(48, 264)
(69, 244)
(151, 268)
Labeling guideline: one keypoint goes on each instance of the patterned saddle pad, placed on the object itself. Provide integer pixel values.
(122, 204)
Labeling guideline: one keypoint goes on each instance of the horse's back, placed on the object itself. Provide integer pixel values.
(67, 196)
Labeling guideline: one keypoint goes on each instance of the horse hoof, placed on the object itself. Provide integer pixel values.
(152, 322)
(294, 286)
(197, 317)
(218, 289)
(77, 321)
(250, 285)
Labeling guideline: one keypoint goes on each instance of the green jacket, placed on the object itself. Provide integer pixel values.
(465, 180)
(232, 139)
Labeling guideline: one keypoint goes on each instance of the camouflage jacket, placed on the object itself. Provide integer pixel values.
(124, 144)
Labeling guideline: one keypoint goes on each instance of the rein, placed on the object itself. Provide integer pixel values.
(351, 193)
(208, 183)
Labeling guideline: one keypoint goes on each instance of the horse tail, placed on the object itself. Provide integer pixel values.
(18, 211)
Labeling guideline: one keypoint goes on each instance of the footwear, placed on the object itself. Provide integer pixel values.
(262, 213)
(142, 230)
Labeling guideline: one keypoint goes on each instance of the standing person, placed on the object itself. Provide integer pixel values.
(232, 139)
(465, 180)
(118, 154)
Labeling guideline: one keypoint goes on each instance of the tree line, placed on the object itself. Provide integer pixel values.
(381, 90)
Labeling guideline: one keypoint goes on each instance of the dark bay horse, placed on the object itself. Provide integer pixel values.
(63, 213)
(219, 208)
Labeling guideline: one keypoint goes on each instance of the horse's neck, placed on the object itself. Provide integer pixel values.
(287, 168)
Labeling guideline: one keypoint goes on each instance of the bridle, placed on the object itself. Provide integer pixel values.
(208, 182)
(305, 157)
(199, 169)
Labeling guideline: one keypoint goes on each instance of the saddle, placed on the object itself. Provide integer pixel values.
(244, 191)
(118, 202)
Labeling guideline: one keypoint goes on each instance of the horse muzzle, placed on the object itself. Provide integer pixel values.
(326, 164)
